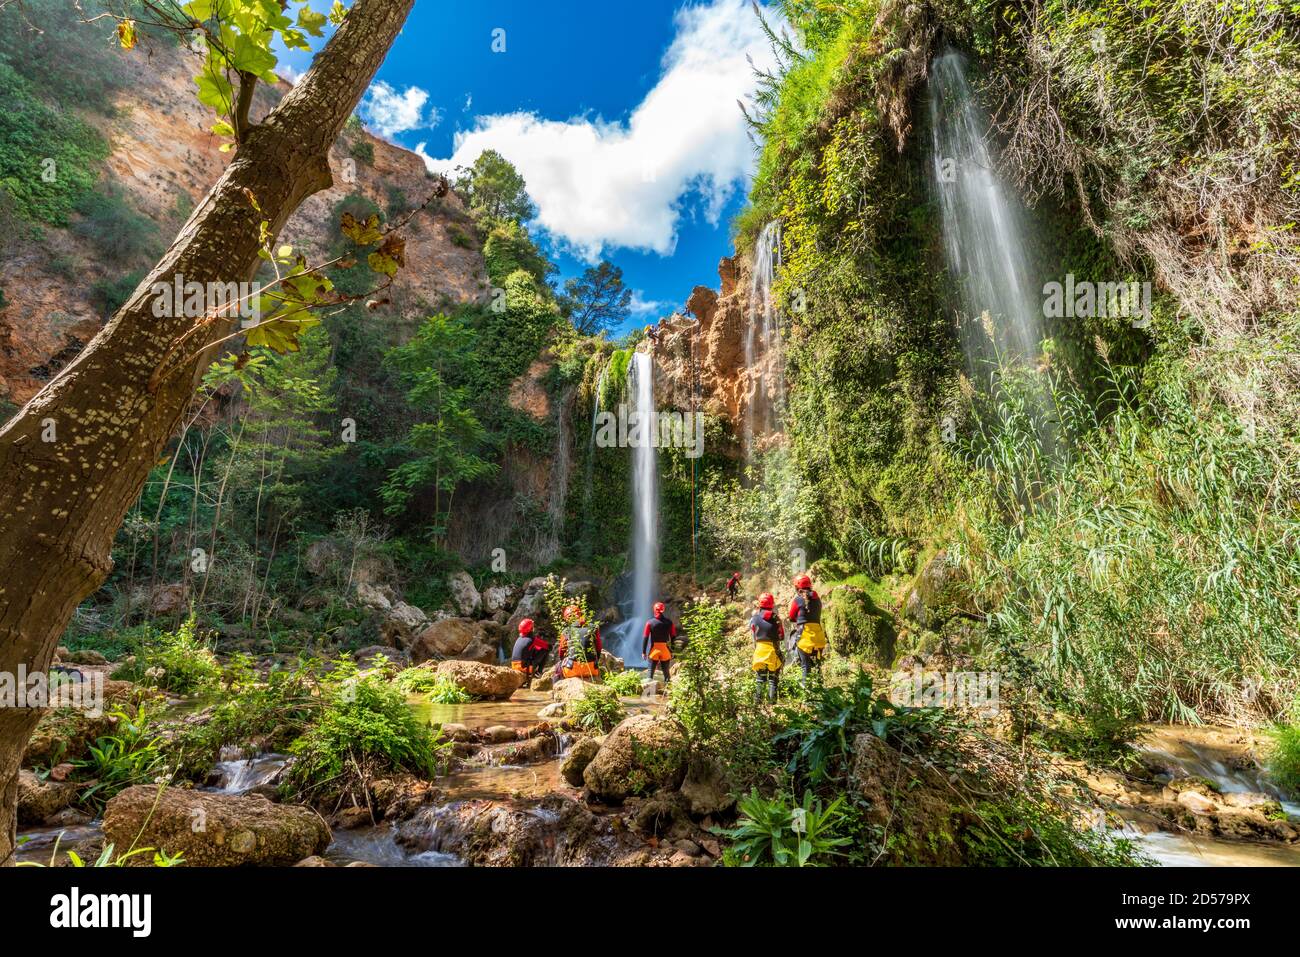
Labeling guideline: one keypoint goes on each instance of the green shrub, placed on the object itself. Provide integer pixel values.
(365, 730)
(120, 235)
(626, 684)
(177, 661)
(599, 708)
(49, 159)
(439, 689)
(364, 151)
(1284, 757)
(776, 832)
(131, 755)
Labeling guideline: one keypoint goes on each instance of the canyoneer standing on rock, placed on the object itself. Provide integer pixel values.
(530, 651)
(807, 637)
(656, 641)
(579, 647)
(766, 628)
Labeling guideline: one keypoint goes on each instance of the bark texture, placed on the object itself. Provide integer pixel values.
(62, 501)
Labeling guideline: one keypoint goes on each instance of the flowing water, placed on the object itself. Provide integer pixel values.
(983, 229)
(764, 360)
(626, 639)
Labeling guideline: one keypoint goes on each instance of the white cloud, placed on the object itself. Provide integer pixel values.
(388, 112)
(600, 184)
(640, 306)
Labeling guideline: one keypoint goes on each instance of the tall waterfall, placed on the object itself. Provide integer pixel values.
(983, 236)
(766, 371)
(642, 432)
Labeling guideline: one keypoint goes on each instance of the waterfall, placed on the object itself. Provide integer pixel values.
(983, 237)
(763, 353)
(591, 446)
(642, 432)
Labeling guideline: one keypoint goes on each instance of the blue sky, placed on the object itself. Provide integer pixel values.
(622, 117)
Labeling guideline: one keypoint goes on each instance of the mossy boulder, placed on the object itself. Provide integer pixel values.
(643, 754)
(213, 830)
(856, 626)
(939, 592)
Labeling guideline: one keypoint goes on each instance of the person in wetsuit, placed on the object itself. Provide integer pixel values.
(807, 637)
(530, 651)
(656, 641)
(768, 633)
(733, 586)
(579, 647)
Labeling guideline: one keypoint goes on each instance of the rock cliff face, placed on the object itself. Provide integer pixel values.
(700, 361)
(162, 161)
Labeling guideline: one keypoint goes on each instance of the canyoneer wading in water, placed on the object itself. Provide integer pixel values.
(807, 637)
(733, 586)
(530, 651)
(656, 641)
(766, 628)
(579, 647)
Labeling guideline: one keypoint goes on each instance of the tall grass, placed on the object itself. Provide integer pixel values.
(1149, 566)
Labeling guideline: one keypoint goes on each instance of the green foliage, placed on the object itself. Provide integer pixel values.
(509, 249)
(365, 730)
(446, 445)
(1284, 755)
(1021, 832)
(777, 832)
(819, 737)
(496, 188)
(597, 300)
(272, 710)
(131, 755)
(625, 684)
(49, 159)
(599, 708)
(439, 689)
(178, 661)
(118, 233)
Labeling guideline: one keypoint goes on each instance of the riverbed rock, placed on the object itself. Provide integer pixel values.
(481, 680)
(444, 639)
(553, 710)
(464, 594)
(609, 663)
(543, 682)
(532, 604)
(213, 830)
(397, 658)
(39, 800)
(643, 753)
(575, 763)
(557, 832)
(86, 656)
(378, 598)
(514, 752)
(402, 624)
(705, 787)
(569, 689)
(499, 734)
(499, 598)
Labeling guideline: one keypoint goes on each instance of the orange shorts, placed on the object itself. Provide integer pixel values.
(659, 651)
(581, 669)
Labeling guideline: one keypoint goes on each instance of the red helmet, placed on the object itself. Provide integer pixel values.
(573, 613)
(803, 581)
(526, 626)
(766, 600)
(659, 608)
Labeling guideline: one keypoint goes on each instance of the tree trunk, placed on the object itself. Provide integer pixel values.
(61, 501)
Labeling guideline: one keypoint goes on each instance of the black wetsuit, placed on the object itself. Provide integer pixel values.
(659, 630)
(530, 651)
(765, 626)
(802, 611)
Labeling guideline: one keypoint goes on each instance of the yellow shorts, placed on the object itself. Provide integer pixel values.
(766, 657)
(659, 651)
(812, 638)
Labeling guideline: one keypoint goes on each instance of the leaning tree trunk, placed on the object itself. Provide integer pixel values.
(61, 501)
